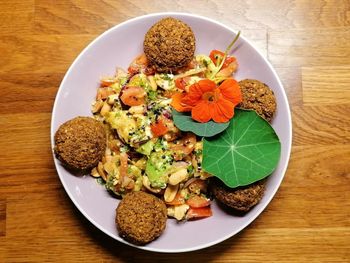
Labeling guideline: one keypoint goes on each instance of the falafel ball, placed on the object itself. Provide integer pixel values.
(80, 143)
(169, 44)
(241, 198)
(259, 97)
(141, 217)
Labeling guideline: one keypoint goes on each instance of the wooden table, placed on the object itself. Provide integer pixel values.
(308, 42)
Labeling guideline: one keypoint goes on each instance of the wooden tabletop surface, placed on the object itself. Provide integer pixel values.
(308, 43)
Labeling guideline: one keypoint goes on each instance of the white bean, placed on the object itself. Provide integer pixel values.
(180, 211)
(136, 109)
(178, 176)
(170, 192)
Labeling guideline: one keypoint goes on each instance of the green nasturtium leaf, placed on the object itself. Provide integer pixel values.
(247, 151)
(184, 122)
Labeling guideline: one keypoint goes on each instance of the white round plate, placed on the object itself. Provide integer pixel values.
(117, 47)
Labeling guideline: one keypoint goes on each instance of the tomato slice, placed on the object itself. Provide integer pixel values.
(199, 212)
(159, 128)
(181, 83)
(178, 200)
(197, 201)
(133, 96)
(216, 55)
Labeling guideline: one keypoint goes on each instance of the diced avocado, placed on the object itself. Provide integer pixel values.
(157, 168)
(132, 129)
(152, 95)
(135, 171)
(139, 80)
(146, 148)
(123, 123)
(160, 146)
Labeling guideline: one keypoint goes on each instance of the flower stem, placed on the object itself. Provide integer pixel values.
(225, 55)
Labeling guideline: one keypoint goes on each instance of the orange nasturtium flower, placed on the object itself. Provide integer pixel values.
(207, 101)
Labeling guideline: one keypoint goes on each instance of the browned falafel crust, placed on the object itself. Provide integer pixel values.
(169, 44)
(80, 143)
(241, 198)
(141, 217)
(259, 97)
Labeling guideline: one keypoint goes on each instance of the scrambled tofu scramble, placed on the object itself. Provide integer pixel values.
(145, 150)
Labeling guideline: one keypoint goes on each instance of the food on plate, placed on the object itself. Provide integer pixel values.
(141, 217)
(80, 143)
(169, 44)
(241, 198)
(259, 97)
(145, 150)
(151, 123)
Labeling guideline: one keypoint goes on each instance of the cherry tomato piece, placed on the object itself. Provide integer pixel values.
(159, 128)
(217, 54)
(197, 201)
(199, 212)
(133, 96)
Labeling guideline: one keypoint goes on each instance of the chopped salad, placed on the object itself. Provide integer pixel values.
(145, 150)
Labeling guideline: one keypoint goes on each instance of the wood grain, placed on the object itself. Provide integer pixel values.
(308, 43)
(310, 47)
(27, 53)
(34, 91)
(271, 14)
(317, 125)
(16, 17)
(291, 81)
(326, 85)
(2, 217)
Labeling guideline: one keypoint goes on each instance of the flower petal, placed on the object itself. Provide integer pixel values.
(193, 96)
(226, 107)
(231, 91)
(201, 112)
(206, 85)
(197, 90)
(176, 103)
(222, 111)
(217, 114)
